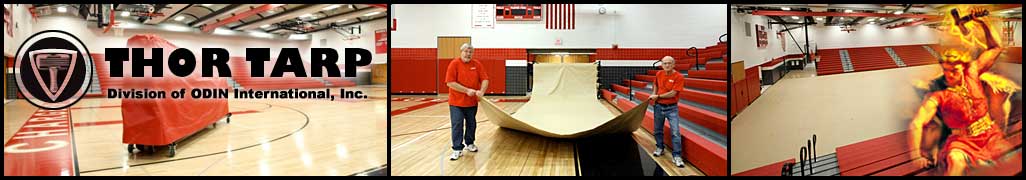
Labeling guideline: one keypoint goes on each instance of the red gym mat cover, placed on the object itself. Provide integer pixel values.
(165, 120)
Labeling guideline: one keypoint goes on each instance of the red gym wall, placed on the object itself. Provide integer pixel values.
(419, 71)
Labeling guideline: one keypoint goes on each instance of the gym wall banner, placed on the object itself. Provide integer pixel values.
(55, 70)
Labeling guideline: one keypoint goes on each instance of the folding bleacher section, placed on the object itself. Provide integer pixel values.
(1011, 55)
(876, 58)
(829, 62)
(241, 74)
(888, 155)
(915, 55)
(702, 104)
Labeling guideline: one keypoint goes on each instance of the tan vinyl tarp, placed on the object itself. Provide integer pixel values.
(564, 104)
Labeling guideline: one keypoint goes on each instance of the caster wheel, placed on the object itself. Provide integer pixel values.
(131, 149)
(171, 150)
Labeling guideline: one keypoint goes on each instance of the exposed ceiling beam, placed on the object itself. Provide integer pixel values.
(907, 24)
(856, 21)
(993, 8)
(789, 28)
(839, 14)
(893, 20)
(240, 16)
(348, 15)
(296, 12)
(778, 19)
(347, 24)
(383, 6)
(214, 15)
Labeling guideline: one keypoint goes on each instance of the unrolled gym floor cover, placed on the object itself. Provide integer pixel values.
(564, 104)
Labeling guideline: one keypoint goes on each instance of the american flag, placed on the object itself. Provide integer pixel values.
(559, 16)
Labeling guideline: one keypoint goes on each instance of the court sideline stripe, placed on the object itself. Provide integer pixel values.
(306, 116)
(424, 131)
(413, 108)
(95, 107)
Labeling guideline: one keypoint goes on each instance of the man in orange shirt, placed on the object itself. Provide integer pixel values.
(467, 81)
(668, 83)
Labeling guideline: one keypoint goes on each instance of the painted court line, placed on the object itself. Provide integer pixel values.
(42, 147)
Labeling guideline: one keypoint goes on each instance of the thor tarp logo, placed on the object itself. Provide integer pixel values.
(53, 69)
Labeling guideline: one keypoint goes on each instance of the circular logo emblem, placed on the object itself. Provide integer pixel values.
(53, 69)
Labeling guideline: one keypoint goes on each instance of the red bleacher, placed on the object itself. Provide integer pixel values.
(829, 62)
(870, 58)
(103, 73)
(704, 118)
(708, 74)
(914, 55)
(241, 74)
(889, 156)
(706, 84)
(682, 67)
(876, 58)
(646, 78)
(705, 154)
(1012, 55)
(635, 83)
(621, 89)
(608, 95)
(716, 66)
(767, 170)
(718, 101)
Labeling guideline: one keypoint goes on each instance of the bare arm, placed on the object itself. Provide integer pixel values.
(457, 86)
(670, 94)
(655, 89)
(915, 136)
(484, 87)
(986, 60)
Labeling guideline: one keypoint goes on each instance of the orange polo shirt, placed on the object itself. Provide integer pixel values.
(666, 83)
(470, 75)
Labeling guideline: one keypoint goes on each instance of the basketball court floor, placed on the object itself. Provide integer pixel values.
(839, 109)
(421, 145)
(261, 137)
(264, 137)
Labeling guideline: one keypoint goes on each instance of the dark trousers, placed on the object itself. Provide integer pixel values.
(662, 114)
(460, 116)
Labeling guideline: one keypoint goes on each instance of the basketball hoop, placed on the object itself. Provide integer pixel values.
(848, 28)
